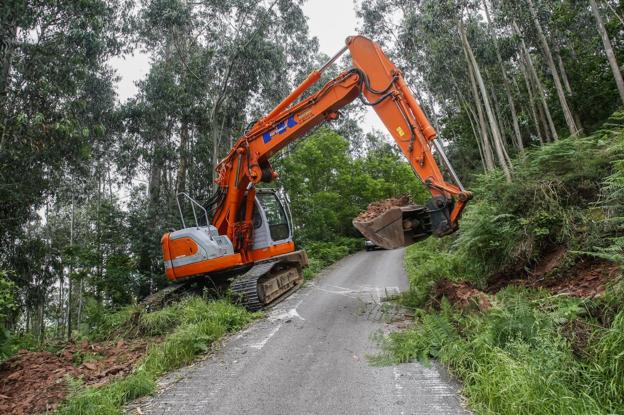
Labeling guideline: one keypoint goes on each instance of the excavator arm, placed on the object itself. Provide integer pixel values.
(378, 83)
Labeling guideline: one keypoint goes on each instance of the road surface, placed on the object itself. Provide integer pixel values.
(309, 356)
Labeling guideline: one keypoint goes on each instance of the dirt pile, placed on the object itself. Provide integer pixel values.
(381, 206)
(461, 295)
(36, 382)
(585, 279)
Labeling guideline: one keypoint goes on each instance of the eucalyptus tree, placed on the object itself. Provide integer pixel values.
(506, 83)
(567, 112)
(493, 122)
(216, 66)
(613, 63)
(430, 45)
(55, 112)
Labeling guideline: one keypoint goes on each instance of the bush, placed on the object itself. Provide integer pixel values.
(101, 324)
(9, 344)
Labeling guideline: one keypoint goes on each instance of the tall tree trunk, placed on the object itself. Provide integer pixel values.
(568, 89)
(71, 264)
(214, 133)
(543, 119)
(615, 68)
(41, 334)
(615, 13)
(538, 83)
(98, 230)
(553, 71)
(80, 302)
(433, 113)
(183, 164)
(156, 166)
(500, 121)
(532, 106)
(512, 106)
(7, 49)
(496, 135)
(472, 119)
(59, 317)
(487, 148)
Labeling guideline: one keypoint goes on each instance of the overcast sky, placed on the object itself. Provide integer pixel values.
(331, 21)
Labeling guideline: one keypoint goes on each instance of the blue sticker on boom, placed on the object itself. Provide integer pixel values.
(280, 129)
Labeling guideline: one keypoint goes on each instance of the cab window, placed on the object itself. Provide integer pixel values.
(278, 224)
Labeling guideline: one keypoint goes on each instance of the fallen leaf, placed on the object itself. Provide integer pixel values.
(90, 365)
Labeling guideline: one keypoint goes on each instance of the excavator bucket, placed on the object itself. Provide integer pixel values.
(396, 227)
(395, 222)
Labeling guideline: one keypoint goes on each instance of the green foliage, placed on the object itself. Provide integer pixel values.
(162, 321)
(8, 302)
(426, 263)
(328, 187)
(108, 399)
(101, 323)
(531, 352)
(514, 359)
(608, 361)
(551, 202)
(434, 333)
(198, 324)
(8, 305)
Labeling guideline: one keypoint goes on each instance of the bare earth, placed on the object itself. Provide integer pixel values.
(309, 356)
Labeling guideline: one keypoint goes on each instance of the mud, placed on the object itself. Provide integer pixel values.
(37, 382)
(586, 279)
(461, 295)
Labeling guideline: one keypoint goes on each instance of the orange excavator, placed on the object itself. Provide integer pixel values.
(249, 240)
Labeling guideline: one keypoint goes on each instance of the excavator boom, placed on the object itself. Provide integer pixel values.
(379, 84)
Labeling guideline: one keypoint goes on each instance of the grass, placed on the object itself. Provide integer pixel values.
(190, 328)
(532, 352)
(515, 359)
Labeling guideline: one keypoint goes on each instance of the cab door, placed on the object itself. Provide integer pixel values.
(270, 219)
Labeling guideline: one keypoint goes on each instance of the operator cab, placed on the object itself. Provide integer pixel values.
(199, 249)
(271, 219)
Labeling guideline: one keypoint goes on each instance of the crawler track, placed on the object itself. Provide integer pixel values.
(246, 285)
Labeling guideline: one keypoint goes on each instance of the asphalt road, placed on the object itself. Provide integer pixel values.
(310, 355)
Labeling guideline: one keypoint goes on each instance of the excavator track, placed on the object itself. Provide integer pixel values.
(265, 283)
(162, 297)
(246, 285)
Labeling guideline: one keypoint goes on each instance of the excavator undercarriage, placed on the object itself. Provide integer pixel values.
(266, 282)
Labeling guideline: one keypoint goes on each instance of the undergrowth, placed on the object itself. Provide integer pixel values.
(532, 352)
(189, 329)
